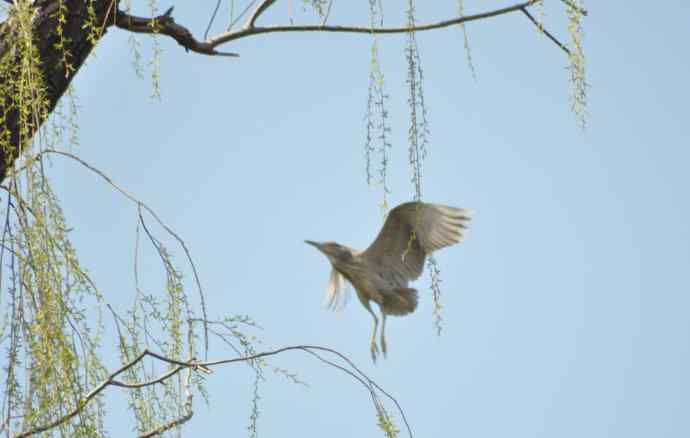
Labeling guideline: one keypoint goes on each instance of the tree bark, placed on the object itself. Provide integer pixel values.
(78, 39)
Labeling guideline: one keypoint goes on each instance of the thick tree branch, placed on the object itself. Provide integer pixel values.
(165, 25)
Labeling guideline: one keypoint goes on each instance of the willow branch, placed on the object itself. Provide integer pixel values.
(572, 5)
(81, 404)
(205, 366)
(544, 31)
(166, 25)
(180, 420)
(166, 427)
(141, 205)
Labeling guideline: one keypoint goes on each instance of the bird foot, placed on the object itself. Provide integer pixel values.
(374, 351)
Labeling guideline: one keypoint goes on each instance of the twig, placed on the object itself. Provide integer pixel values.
(263, 6)
(213, 18)
(546, 32)
(574, 6)
(165, 427)
(150, 211)
(241, 14)
(328, 13)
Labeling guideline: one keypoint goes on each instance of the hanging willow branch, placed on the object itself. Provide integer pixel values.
(67, 30)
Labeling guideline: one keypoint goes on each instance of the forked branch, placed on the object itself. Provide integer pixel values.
(166, 25)
(263, 6)
(193, 365)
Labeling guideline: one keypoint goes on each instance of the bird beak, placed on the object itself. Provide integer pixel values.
(316, 245)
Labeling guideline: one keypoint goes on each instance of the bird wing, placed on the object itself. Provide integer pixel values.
(337, 292)
(411, 232)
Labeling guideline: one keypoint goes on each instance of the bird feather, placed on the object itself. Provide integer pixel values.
(413, 231)
(337, 292)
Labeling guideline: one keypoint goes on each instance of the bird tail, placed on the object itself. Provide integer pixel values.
(399, 301)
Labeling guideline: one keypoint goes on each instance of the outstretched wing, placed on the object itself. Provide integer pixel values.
(337, 293)
(411, 232)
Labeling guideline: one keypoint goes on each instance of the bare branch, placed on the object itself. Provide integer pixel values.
(160, 379)
(165, 25)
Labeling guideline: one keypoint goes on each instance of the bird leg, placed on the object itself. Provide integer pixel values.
(374, 347)
(383, 336)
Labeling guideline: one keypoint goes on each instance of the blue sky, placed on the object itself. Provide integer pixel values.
(566, 309)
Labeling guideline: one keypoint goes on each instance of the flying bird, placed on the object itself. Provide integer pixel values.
(383, 271)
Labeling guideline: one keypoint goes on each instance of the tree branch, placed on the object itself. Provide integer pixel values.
(250, 29)
(253, 30)
(263, 6)
(546, 32)
(194, 365)
(165, 25)
(166, 427)
(81, 404)
(79, 39)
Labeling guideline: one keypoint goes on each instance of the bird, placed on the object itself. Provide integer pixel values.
(382, 272)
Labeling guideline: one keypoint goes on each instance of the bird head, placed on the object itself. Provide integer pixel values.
(335, 252)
